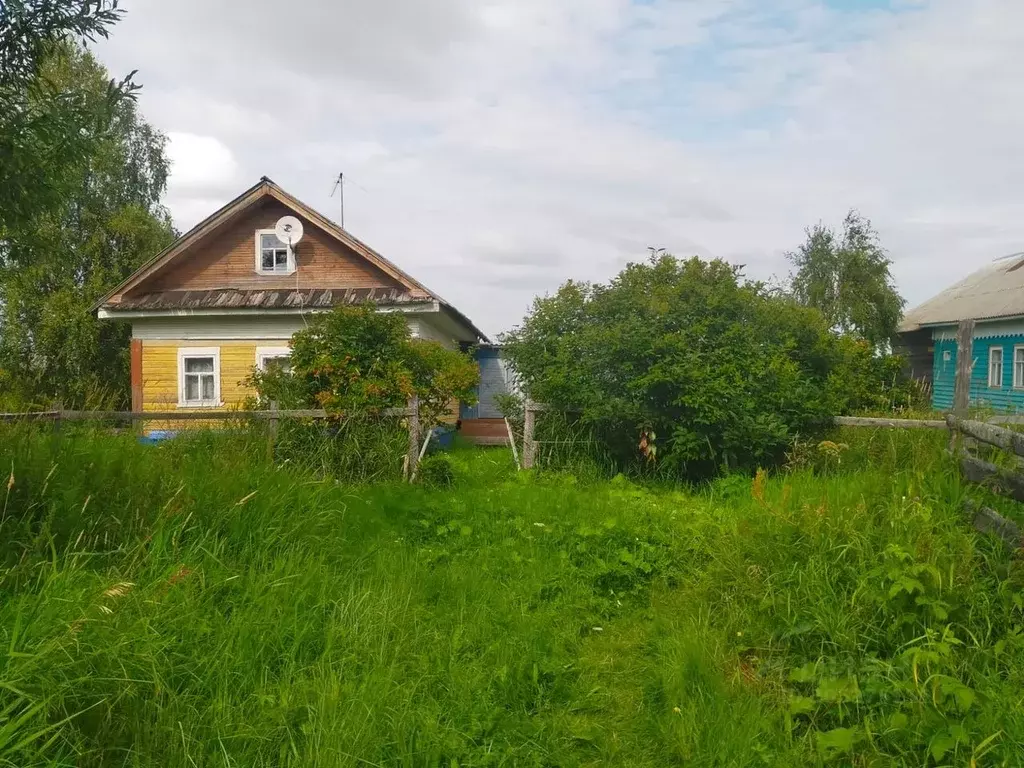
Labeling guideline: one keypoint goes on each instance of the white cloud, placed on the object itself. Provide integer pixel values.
(494, 149)
(199, 164)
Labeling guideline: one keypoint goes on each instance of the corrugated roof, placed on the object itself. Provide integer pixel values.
(995, 292)
(230, 298)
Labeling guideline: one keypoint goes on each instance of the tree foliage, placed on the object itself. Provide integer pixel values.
(56, 263)
(356, 360)
(847, 277)
(48, 131)
(711, 369)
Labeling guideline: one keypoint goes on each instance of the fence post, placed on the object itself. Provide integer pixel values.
(413, 455)
(962, 385)
(529, 446)
(272, 429)
(964, 363)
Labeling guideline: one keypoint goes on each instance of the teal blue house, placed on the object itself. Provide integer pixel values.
(994, 298)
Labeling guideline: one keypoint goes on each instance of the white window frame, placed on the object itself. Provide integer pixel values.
(259, 256)
(191, 352)
(994, 383)
(266, 353)
(1018, 381)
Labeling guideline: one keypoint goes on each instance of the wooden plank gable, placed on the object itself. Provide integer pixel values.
(227, 259)
(219, 255)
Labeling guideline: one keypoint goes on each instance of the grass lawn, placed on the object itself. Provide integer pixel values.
(190, 604)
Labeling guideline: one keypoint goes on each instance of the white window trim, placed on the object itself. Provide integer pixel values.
(1002, 367)
(259, 256)
(1017, 384)
(186, 352)
(265, 353)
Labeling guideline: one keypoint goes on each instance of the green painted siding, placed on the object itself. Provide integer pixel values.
(1002, 398)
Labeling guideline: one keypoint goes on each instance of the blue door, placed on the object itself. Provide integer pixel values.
(492, 385)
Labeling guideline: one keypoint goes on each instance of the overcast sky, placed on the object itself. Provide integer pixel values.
(496, 148)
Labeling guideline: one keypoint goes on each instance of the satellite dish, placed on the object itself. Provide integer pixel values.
(288, 230)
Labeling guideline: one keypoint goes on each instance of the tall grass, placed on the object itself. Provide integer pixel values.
(193, 604)
(354, 449)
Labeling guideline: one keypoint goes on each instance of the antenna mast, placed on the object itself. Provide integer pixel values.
(339, 186)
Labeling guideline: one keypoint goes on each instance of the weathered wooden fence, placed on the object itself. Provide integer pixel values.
(976, 468)
(273, 417)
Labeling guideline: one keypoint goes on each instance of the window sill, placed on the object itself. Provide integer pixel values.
(265, 273)
(200, 406)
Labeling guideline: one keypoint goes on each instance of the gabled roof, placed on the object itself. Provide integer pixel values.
(413, 289)
(993, 293)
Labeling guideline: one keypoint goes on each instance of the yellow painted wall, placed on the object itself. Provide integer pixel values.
(237, 360)
(160, 375)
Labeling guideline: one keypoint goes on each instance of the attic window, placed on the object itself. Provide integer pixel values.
(272, 256)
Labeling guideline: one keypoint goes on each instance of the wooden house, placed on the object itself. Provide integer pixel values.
(994, 298)
(228, 295)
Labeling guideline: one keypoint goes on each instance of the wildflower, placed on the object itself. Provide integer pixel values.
(598, 629)
(739, 634)
(10, 480)
(677, 710)
(539, 525)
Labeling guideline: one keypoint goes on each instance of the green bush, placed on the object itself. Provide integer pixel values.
(355, 363)
(684, 368)
(358, 361)
(862, 380)
(706, 369)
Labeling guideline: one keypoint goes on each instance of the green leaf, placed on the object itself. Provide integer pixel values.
(838, 741)
(962, 695)
(906, 584)
(898, 721)
(942, 744)
(801, 705)
(804, 674)
(838, 689)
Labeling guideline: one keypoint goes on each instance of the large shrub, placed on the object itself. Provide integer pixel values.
(865, 380)
(355, 363)
(683, 357)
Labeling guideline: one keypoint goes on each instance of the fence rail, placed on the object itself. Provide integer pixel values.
(859, 421)
(206, 415)
(272, 417)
